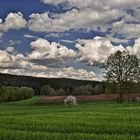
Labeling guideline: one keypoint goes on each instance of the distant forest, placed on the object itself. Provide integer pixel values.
(37, 82)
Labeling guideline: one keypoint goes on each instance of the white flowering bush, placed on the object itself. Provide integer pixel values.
(70, 100)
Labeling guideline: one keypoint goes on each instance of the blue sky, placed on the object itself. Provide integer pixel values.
(65, 38)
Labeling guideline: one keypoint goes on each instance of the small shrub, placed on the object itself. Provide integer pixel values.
(84, 90)
(52, 92)
(25, 92)
(70, 100)
(47, 90)
(60, 92)
(89, 89)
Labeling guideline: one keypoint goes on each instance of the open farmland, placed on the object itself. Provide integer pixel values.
(31, 120)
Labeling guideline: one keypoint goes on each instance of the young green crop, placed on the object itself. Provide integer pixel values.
(31, 120)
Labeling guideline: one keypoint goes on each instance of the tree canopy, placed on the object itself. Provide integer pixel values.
(122, 68)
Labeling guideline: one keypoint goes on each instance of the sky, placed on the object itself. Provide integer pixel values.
(66, 38)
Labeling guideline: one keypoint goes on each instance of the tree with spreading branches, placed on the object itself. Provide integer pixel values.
(122, 69)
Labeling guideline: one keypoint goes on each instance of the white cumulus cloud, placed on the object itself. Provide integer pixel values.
(97, 50)
(71, 73)
(13, 21)
(17, 61)
(42, 49)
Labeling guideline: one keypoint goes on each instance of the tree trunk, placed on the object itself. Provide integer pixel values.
(121, 98)
(128, 95)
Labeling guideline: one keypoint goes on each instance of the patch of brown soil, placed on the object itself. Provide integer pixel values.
(102, 97)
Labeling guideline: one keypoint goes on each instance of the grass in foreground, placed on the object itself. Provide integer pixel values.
(31, 120)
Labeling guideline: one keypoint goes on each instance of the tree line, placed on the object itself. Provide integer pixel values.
(11, 93)
(88, 89)
(36, 82)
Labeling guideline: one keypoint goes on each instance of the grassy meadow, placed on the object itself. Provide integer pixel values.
(32, 120)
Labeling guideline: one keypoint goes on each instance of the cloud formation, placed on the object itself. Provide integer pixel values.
(17, 61)
(92, 51)
(72, 73)
(117, 20)
(61, 73)
(74, 19)
(90, 15)
(42, 49)
(129, 30)
(28, 36)
(13, 21)
(96, 51)
(136, 48)
(10, 49)
(96, 3)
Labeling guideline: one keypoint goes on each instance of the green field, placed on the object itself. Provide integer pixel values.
(31, 120)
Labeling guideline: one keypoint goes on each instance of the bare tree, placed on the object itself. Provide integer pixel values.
(122, 69)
